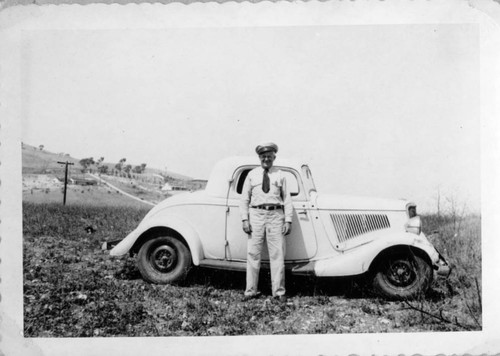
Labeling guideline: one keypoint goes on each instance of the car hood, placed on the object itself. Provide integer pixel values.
(348, 202)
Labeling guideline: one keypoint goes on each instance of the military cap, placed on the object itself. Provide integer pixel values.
(266, 147)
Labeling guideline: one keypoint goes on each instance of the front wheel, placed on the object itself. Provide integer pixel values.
(164, 260)
(402, 276)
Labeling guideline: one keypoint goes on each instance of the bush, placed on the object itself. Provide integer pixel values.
(458, 238)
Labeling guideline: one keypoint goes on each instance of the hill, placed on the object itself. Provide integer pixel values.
(43, 182)
(168, 173)
(36, 161)
(41, 161)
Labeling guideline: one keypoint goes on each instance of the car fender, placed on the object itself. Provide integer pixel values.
(358, 260)
(173, 222)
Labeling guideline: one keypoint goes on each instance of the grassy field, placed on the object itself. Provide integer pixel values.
(74, 289)
(81, 195)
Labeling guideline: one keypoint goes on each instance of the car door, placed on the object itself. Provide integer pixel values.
(300, 243)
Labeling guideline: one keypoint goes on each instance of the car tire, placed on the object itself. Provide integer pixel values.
(402, 276)
(164, 260)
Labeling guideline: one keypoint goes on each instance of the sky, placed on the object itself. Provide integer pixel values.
(377, 110)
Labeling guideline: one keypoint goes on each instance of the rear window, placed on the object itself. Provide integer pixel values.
(291, 182)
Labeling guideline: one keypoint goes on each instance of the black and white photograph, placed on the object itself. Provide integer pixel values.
(249, 178)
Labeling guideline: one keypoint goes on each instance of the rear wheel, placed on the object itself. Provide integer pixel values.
(402, 276)
(164, 260)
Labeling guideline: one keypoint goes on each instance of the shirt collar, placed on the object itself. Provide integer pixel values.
(272, 169)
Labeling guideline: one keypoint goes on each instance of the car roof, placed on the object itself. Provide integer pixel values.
(223, 171)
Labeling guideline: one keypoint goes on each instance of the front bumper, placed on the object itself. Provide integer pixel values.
(108, 245)
(442, 267)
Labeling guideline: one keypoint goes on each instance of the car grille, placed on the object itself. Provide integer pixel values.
(349, 226)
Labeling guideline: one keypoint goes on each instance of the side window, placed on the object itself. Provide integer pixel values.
(291, 181)
(241, 180)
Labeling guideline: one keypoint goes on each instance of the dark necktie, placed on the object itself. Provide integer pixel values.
(265, 181)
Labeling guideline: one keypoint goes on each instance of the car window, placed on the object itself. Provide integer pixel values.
(308, 182)
(291, 181)
(241, 180)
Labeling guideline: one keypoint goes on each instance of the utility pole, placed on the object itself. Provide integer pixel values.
(65, 178)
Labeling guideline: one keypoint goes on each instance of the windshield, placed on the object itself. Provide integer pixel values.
(308, 179)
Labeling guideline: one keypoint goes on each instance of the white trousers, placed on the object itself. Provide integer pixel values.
(266, 225)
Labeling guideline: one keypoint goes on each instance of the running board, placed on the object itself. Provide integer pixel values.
(224, 264)
(306, 269)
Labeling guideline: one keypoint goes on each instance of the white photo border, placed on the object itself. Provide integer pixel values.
(15, 21)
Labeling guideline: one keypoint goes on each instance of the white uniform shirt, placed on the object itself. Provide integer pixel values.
(252, 193)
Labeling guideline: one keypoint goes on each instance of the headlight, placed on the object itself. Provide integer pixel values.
(414, 225)
(412, 210)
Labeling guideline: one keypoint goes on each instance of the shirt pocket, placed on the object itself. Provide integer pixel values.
(276, 187)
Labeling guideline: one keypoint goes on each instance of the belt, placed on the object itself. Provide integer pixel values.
(267, 207)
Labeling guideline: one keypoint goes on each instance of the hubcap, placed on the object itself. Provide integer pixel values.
(401, 273)
(163, 258)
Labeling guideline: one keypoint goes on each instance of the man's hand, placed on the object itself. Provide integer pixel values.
(246, 227)
(287, 228)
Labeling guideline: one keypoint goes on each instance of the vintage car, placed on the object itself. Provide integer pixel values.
(331, 235)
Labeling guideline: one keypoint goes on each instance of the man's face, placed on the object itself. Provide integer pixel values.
(267, 159)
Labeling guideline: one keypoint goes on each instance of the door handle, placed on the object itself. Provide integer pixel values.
(302, 212)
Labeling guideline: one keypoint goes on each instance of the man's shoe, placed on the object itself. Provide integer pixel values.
(251, 296)
(281, 298)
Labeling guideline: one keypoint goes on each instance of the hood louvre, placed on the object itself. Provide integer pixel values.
(349, 226)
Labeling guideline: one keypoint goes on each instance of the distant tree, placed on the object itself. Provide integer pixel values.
(103, 169)
(119, 165)
(41, 147)
(137, 169)
(98, 164)
(86, 163)
(127, 169)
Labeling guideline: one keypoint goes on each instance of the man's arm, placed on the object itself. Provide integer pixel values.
(288, 207)
(287, 201)
(246, 195)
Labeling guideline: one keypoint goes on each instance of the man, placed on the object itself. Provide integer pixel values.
(266, 212)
